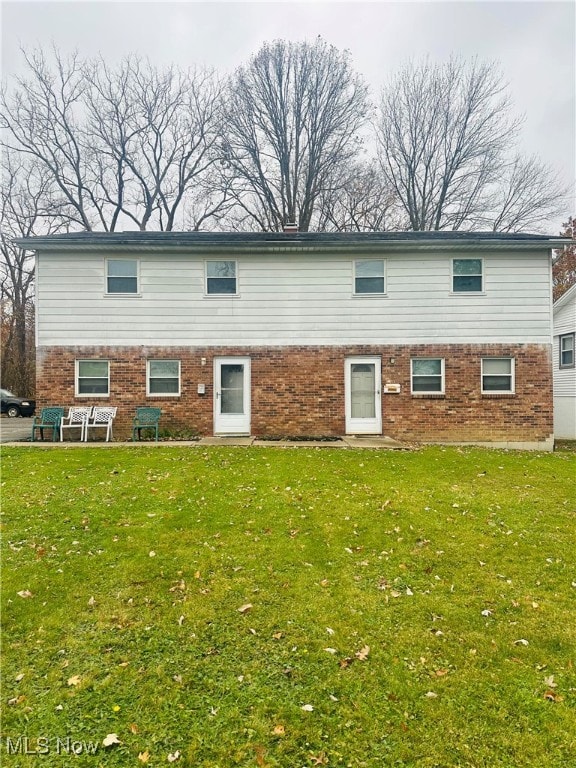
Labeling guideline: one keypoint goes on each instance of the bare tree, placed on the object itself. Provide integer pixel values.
(27, 208)
(130, 144)
(291, 122)
(444, 136)
(360, 201)
(527, 196)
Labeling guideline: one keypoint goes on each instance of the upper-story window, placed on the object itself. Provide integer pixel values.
(369, 277)
(497, 375)
(122, 276)
(221, 278)
(93, 377)
(467, 276)
(428, 375)
(567, 350)
(163, 377)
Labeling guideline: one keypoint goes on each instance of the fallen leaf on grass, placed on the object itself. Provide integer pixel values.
(24, 593)
(320, 759)
(245, 608)
(344, 663)
(19, 677)
(279, 730)
(74, 680)
(144, 756)
(362, 654)
(551, 695)
(521, 642)
(173, 756)
(441, 672)
(307, 708)
(431, 695)
(111, 740)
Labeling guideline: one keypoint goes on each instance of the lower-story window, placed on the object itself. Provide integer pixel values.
(428, 375)
(93, 377)
(497, 375)
(163, 377)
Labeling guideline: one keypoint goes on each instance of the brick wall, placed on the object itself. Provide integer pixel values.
(300, 390)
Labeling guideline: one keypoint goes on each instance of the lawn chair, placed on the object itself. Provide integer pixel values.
(102, 418)
(77, 418)
(146, 418)
(50, 418)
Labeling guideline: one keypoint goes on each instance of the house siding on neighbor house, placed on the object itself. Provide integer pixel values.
(564, 356)
(307, 335)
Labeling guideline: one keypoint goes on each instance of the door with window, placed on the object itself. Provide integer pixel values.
(232, 396)
(363, 376)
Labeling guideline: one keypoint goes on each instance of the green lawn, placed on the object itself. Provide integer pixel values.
(407, 608)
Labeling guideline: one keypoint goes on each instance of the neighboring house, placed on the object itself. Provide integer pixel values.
(420, 336)
(564, 353)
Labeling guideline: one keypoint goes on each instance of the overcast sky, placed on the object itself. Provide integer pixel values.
(532, 42)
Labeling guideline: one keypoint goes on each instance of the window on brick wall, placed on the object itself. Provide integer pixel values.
(467, 276)
(122, 276)
(221, 278)
(427, 375)
(497, 375)
(93, 377)
(567, 350)
(163, 377)
(369, 277)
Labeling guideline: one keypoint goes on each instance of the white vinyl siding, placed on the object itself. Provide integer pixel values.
(163, 378)
(293, 298)
(92, 378)
(564, 325)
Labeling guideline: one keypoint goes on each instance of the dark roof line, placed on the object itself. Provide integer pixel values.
(239, 238)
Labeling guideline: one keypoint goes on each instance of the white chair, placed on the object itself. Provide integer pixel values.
(102, 417)
(77, 418)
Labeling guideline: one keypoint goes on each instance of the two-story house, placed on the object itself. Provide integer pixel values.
(420, 336)
(564, 363)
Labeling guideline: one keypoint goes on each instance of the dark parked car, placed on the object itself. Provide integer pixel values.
(16, 406)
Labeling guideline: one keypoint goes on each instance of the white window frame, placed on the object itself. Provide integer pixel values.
(453, 275)
(512, 375)
(206, 278)
(77, 392)
(163, 394)
(384, 278)
(437, 392)
(107, 277)
(561, 351)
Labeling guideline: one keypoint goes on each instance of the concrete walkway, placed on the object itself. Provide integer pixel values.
(344, 442)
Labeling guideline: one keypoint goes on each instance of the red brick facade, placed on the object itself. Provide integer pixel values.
(299, 391)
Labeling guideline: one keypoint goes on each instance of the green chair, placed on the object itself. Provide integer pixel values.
(146, 418)
(50, 418)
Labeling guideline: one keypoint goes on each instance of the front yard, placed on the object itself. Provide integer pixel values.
(264, 607)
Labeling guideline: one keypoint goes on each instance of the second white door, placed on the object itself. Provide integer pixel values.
(232, 396)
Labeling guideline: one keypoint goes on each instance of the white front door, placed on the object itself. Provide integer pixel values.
(232, 396)
(363, 399)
